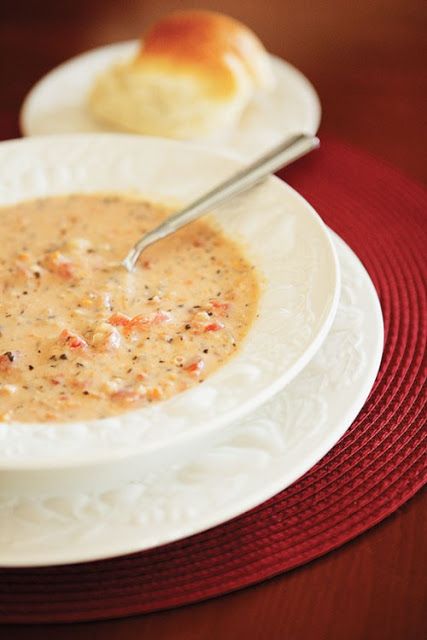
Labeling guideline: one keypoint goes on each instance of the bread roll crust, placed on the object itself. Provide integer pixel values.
(204, 41)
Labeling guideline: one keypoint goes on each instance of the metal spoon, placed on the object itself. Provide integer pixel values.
(282, 155)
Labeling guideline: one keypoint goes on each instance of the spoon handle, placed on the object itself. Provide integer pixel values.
(280, 156)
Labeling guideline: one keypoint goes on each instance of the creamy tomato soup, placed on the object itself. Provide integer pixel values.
(81, 338)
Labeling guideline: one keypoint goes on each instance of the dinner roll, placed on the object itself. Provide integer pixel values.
(192, 77)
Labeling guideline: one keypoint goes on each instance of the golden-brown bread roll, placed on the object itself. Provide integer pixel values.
(193, 76)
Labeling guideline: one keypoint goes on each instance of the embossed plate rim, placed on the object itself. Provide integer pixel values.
(358, 295)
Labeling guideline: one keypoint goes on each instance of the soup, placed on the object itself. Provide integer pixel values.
(81, 338)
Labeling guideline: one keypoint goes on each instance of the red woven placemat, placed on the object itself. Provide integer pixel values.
(379, 463)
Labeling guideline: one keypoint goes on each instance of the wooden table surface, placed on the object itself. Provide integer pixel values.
(367, 59)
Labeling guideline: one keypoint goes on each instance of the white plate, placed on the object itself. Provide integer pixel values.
(262, 455)
(285, 239)
(57, 103)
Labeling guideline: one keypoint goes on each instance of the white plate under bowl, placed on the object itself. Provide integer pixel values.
(57, 103)
(285, 239)
(263, 454)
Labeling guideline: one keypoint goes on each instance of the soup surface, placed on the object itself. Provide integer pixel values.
(81, 338)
